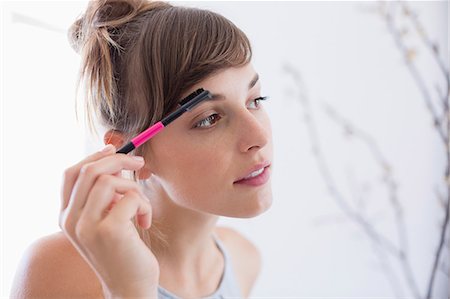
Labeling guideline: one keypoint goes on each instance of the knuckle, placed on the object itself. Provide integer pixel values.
(128, 160)
(134, 194)
(130, 198)
(68, 173)
(105, 180)
(87, 169)
(138, 197)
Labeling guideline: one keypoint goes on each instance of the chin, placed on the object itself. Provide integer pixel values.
(254, 207)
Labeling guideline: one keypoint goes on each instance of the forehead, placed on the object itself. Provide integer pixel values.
(230, 80)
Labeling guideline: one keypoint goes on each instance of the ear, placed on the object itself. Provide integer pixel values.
(116, 138)
(144, 173)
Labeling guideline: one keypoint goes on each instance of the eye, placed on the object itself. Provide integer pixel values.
(213, 118)
(207, 122)
(257, 101)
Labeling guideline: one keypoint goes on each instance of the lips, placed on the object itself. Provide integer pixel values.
(253, 169)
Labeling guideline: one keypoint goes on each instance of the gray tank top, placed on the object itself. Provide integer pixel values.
(228, 286)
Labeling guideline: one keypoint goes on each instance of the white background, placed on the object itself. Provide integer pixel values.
(347, 59)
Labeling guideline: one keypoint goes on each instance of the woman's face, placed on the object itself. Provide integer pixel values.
(198, 158)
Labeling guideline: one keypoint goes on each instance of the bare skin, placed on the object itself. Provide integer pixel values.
(190, 169)
(53, 268)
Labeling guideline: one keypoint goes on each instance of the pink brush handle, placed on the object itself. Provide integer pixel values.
(147, 134)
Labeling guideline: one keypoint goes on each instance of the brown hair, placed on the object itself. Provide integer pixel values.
(139, 57)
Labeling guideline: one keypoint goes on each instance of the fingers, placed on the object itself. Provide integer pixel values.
(131, 205)
(102, 194)
(71, 174)
(89, 173)
(80, 179)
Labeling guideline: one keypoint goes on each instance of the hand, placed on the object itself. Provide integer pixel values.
(97, 208)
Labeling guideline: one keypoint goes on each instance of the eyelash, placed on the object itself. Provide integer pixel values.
(212, 116)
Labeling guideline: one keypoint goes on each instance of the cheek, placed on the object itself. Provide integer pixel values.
(194, 172)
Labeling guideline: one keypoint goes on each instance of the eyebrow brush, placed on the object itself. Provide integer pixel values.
(187, 104)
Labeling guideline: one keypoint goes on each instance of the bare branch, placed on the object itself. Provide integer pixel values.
(389, 273)
(433, 47)
(391, 186)
(439, 248)
(407, 53)
(368, 229)
(438, 121)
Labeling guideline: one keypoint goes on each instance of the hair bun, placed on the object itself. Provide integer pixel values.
(114, 13)
(108, 14)
(74, 35)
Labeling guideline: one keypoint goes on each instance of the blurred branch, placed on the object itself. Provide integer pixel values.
(409, 55)
(388, 271)
(444, 96)
(444, 269)
(358, 194)
(325, 173)
(433, 47)
(391, 186)
(441, 124)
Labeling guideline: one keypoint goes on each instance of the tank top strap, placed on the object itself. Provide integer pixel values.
(228, 286)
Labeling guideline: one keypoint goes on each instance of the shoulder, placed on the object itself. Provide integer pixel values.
(52, 268)
(246, 257)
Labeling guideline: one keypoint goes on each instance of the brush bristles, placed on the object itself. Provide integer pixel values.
(191, 96)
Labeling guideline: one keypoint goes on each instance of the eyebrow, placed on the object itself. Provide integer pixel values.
(252, 83)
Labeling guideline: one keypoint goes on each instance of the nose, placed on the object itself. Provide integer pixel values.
(253, 130)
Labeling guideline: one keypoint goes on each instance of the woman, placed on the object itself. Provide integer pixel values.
(155, 236)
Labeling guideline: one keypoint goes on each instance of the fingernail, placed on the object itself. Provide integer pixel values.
(107, 148)
(138, 158)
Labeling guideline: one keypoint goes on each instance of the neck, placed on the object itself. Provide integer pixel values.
(189, 253)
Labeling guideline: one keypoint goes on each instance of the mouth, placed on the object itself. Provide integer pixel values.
(257, 176)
